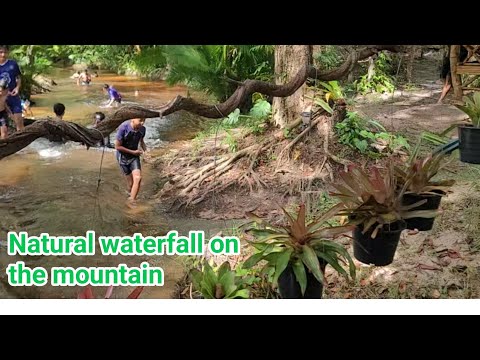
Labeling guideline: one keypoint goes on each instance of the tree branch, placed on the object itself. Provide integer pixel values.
(55, 130)
(248, 87)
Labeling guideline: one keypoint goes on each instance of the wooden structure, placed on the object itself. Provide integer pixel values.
(470, 66)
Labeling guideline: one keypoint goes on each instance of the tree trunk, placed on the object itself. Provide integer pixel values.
(289, 59)
(456, 79)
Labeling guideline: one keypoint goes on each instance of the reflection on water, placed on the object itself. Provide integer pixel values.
(51, 187)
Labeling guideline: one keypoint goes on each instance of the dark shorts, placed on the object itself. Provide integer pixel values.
(119, 100)
(128, 165)
(445, 70)
(15, 104)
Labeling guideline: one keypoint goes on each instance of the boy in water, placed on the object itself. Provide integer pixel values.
(98, 118)
(131, 133)
(10, 72)
(85, 78)
(115, 96)
(4, 110)
(59, 110)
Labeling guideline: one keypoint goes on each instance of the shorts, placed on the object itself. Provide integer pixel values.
(15, 104)
(445, 69)
(128, 165)
(118, 100)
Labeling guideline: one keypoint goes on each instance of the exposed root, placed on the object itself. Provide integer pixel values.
(199, 176)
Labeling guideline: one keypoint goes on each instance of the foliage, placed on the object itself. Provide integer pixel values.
(34, 60)
(87, 293)
(358, 133)
(220, 283)
(375, 200)
(418, 173)
(329, 58)
(151, 62)
(299, 244)
(254, 121)
(472, 108)
(379, 81)
(209, 68)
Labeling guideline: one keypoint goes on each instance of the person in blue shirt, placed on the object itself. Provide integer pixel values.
(130, 135)
(10, 72)
(114, 95)
(4, 110)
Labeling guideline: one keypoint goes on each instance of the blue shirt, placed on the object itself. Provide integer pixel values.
(130, 138)
(10, 71)
(113, 93)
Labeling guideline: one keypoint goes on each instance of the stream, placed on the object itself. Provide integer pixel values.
(51, 187)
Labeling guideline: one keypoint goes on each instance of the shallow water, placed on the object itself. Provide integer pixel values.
(50, 187)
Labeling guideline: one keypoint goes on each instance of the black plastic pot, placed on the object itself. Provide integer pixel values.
(381, 250)
(469, 146)
(433, 203)
(289, 287)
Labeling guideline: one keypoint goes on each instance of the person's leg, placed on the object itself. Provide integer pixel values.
(137, 180)
(129, 183)
(3, 129)
(127, 172)
(15, 105)
(446, 88)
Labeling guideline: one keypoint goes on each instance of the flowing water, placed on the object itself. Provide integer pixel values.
(50, 187)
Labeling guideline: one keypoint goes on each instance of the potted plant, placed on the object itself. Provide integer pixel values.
(375, 207)
(418, 174)
(219, 283)
(469, 134)
(299, 252)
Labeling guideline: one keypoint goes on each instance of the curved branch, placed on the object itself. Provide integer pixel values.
(55, 130)
(248, 87)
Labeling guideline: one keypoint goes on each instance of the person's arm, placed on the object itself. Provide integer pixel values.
(16, 89)
(119, 147)
(142, 145)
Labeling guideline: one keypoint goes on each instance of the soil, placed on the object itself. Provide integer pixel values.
(442, 263)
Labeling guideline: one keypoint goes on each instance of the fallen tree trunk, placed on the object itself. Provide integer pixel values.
(55, 130)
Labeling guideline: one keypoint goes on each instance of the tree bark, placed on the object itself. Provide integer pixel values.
(55, 130)
(456, 79)
(289, 59)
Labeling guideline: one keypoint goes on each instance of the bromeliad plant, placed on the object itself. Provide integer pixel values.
(472, 109)
(375, 201)
(418, 174)
(220, 283)
(305, 247)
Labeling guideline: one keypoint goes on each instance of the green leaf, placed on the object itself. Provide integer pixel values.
(300, 274)
(240, 294)
(333, 261)
(324, 105)
(209, 276)
(196, 277)
(310, 259)
(282, 263)
(228, 283)
(261, 110)
(225, 267)
(252, 260)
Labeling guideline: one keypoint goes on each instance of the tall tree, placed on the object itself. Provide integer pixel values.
(289, 59)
